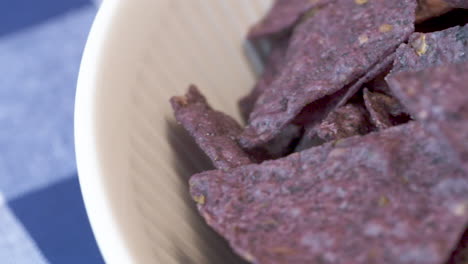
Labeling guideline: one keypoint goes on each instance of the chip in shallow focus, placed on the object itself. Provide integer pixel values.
(214, 132)
(328, 51)
(282, 16)
(439, 97)
(387, 197)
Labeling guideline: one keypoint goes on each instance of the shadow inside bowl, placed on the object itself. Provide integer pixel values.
(188, 160)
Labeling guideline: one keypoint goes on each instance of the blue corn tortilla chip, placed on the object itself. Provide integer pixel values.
(346, 121)
(385, 111)
(314, 113)
(333, 48)
(438, 97)
(378, 69)
(431, 49)
(283, 15)
(281, 145)
(214, 132)
(388, 197)
(378, 83)
(273, 66)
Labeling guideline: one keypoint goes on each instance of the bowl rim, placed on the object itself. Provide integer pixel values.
(100, 208)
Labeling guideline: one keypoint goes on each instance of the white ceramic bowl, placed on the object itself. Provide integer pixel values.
(133, 161)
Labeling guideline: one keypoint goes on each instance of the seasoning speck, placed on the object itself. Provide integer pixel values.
(421, 45)
(460, 209)
(423, 115)
(199, 199)
(385, 28)
(411, 91)
(383, 201)
(363, 39)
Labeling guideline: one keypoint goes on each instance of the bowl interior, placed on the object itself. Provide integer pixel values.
(134, 161)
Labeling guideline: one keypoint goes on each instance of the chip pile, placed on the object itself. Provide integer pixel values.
(356, 143)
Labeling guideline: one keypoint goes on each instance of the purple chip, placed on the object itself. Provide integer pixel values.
(283, 144)
(389, 197)
(273, 66)
(215, 132)
(434, 94)
(378, 84)
(380, 68)
(346, 121)
(455, 135)
(385, 110)
(282, 16)
(431, 49)
(280, 145)
(330, 50)
(439, 97)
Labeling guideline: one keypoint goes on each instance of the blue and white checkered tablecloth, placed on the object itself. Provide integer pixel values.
(42, 217)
